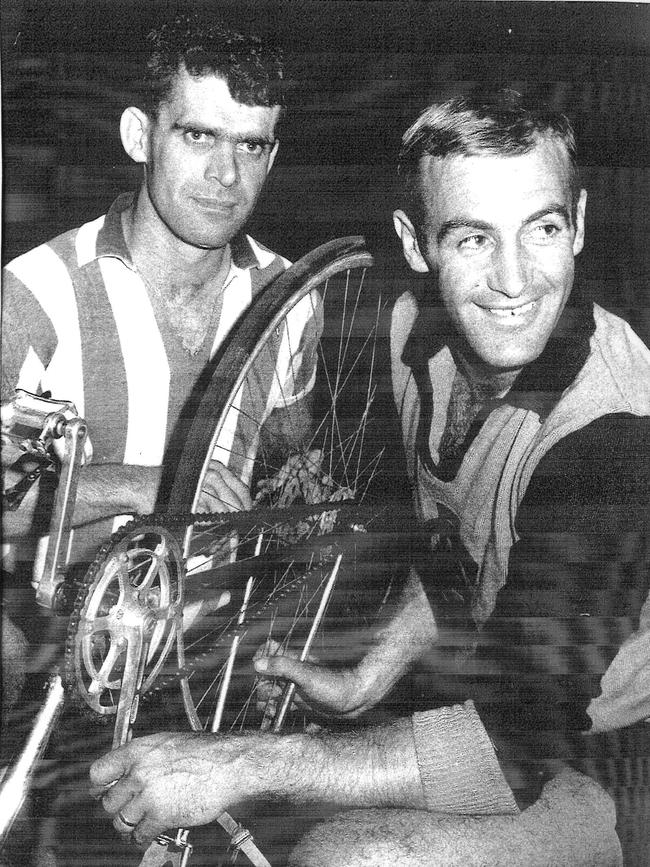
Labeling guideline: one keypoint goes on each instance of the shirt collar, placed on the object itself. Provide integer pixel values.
(110, 238)
(244, 252)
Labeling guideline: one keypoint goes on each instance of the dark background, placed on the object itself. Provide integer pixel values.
(358, 74)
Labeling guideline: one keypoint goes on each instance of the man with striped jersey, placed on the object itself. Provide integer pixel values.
(122, 315)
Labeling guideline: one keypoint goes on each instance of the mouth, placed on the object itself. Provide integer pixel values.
(511, 314)
(216, 205)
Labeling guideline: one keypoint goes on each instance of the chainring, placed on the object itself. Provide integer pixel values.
(129, 603)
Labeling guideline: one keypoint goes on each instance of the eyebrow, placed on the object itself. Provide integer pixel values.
(254, 137)
(451, 225)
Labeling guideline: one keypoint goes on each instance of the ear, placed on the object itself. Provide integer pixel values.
(273, 155)
(134, 132)
(410, 246)
(579, 240)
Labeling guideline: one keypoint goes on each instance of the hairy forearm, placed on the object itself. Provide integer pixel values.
(172, 780)
(183, 779)
(441, 760)
(375, 767)
(106, 490)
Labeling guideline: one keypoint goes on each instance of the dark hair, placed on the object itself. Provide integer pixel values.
(494, 124)
(251, 69)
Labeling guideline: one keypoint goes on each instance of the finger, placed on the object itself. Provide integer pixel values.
(115, 798)
(111, 767)
(239, 490)
(128, 817)
(315, 683)
(268, 693)
(150, 825)
(269, 707)
(219, 498)
(269, 648)
(228, 486)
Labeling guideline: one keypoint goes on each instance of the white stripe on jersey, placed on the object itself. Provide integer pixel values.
(47, 277)
(86, 241)
(31, 373)
(145, 361)
(237, 296)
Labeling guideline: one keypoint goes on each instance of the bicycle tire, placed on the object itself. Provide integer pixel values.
(338, 267)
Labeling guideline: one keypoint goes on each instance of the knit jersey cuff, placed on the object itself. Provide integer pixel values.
(459, 769)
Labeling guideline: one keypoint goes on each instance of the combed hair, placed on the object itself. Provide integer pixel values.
(498, 124)
(252, 70)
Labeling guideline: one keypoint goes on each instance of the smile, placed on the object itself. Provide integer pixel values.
(511, 313)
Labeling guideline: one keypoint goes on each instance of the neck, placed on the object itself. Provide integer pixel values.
(488, 380)
(160, 256)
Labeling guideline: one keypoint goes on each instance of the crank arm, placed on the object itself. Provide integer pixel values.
(127, 709)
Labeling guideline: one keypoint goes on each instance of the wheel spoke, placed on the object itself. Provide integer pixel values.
(315, 332)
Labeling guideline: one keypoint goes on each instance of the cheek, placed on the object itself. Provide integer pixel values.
(458, 283)
(554, 266)
(253, 178)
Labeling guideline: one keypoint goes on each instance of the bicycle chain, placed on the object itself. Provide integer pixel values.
(175, 524)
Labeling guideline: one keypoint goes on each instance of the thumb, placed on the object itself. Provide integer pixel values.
(109, 768)
(315, 683)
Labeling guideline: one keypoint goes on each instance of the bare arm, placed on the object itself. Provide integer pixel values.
(440, 761)
(350, 692)
(106, 490)
(170, 780)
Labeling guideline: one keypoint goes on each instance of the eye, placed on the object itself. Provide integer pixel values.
(197, 136)
(473, 244)
(252, 147)
(542, 233)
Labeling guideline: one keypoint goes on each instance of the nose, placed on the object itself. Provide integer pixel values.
(222, 164)
(509, 270)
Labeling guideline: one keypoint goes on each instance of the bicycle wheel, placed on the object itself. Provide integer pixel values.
(289, 410)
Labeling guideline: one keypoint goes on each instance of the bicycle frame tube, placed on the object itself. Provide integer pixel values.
(14, 789)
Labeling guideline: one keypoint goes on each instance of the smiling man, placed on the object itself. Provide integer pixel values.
(525, 412)
(122, 315)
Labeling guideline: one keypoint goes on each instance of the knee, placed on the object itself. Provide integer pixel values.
(361, 838)
(332, 843)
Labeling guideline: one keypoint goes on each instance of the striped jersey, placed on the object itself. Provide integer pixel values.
(79, 322)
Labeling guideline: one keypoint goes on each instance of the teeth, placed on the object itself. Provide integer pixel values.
(509, 312)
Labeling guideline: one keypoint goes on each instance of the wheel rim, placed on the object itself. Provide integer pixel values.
(337, 463)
